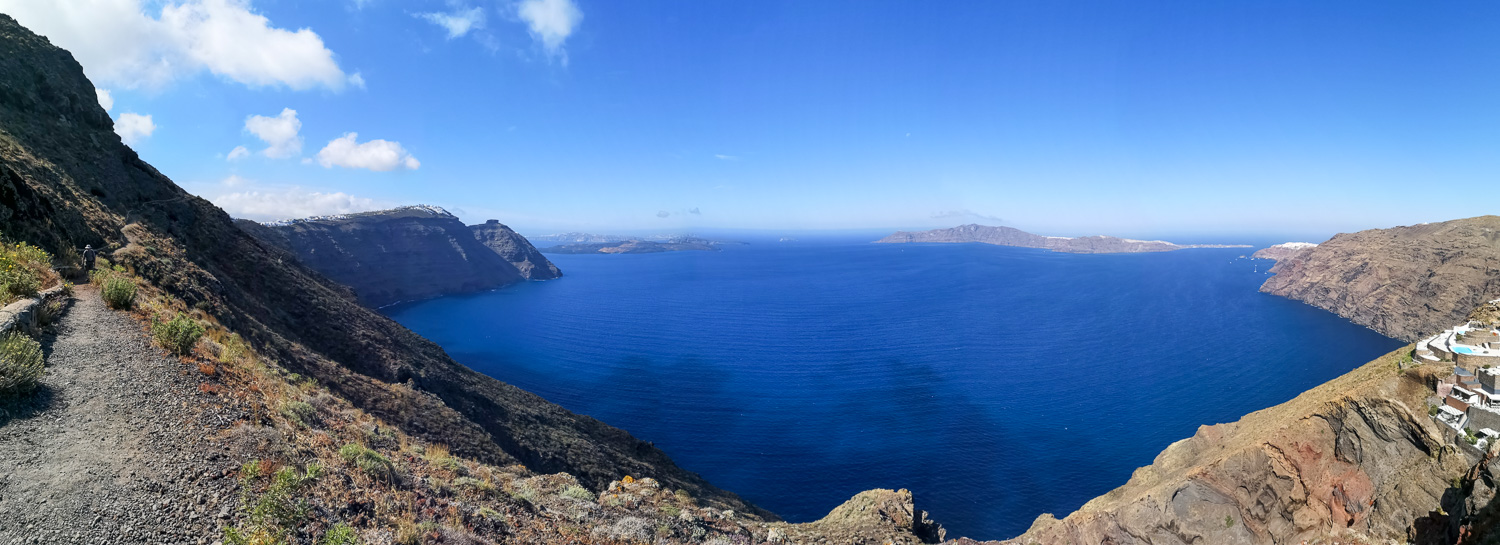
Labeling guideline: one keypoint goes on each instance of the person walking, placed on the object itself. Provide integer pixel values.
(88, 257)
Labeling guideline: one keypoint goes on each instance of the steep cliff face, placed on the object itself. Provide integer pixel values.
(67, 180)
(516, 250)
(1405, 282)
(1007, 236)
(388, 256)
(1355, 456)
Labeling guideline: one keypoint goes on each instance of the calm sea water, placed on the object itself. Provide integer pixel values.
(996, 383)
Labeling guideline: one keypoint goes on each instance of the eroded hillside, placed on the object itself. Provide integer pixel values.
(1405, 282)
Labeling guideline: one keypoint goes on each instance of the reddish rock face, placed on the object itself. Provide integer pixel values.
(1350, 457)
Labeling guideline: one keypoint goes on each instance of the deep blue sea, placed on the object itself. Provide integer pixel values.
(996, 383)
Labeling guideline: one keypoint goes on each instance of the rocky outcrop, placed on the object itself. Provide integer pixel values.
(1278, 252)
(1008, 236)
(1405, 282)
(67, 180)
(516, 250)
(1355, 456)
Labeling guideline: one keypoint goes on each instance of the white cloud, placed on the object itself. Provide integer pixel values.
(234, 181)
(294, 202)
(123, 43)
(357, 80)
(133, 127)
(723, 157)
(459, 22)
(279, 133)
(550, 22)
(379, 155)
(106, 101)
(239, 152)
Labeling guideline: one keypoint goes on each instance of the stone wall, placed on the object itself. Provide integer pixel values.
(1480, 418)
(23, 315)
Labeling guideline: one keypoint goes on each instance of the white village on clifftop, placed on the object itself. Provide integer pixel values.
(1468, 400)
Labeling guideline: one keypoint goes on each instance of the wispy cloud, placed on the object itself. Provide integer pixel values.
(694, 211)
(663, 214)
(239, 152)
(550, 23)
(963, 213)
(457, 22)
(723, 157)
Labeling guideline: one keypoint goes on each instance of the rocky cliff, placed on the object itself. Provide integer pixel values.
(1278, 252)
(389, 256)
(1357, 457)
(516, 250)
(1008, 236)
(66, 179)
(1405, 282)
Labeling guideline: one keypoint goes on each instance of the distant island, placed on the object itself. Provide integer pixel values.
(1009, 236)
(640, 246)
(578, 238)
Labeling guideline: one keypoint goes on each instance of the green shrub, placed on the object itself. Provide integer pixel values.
(299, 412)
(273, 515)
(20, 363)
(578, 493)
(369, 461)
(177, 335)
(22, 268)
(119, 292)
(340, 534)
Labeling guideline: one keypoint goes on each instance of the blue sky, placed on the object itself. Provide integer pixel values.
(1066, 118)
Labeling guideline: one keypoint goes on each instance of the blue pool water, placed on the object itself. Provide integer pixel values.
(996, 383)
(1463, 350)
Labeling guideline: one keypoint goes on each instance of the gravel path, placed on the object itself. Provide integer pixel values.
(118, 445)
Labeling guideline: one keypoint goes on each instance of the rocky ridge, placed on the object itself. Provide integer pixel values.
(516, 250)
(1404, 282)
(1009, 236)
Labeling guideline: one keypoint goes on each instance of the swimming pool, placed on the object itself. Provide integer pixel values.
(1463, 350)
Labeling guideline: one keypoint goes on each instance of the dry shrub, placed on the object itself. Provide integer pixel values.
(20, 363)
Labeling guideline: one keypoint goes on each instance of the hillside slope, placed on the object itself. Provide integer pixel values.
(67, 180)
(1405, 282)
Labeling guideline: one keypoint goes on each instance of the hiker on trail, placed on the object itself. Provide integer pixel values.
(88, 257)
